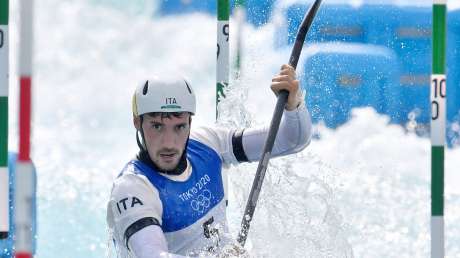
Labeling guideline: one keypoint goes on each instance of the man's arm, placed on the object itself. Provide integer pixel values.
(150, 242)
(134, 216)
(294, 135)
(235, 146)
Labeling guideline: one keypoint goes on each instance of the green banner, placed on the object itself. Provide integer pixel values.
(439, 39)
(4, 12)
(223, 10)
(437, 180)
(3, 131)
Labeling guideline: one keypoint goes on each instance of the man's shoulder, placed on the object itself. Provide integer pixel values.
(217, 138)
(132, 198)
(202, 133)
(210, 135)
(130, 178)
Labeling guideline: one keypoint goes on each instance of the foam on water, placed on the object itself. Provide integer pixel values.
(362, 190)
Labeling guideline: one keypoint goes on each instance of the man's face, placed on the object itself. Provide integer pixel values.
(165, 138)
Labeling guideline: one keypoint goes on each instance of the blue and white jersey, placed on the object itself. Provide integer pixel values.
(193, 216)
(190, 208)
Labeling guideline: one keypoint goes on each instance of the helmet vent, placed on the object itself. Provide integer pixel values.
(188, 87)
(146, 88)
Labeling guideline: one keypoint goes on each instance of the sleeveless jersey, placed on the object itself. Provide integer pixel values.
(193, 217)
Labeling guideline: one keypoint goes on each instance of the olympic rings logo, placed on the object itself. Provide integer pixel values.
(202, 202)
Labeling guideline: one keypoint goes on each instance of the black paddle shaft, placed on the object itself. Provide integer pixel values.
(274, 126)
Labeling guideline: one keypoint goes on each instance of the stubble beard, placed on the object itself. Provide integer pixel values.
(165, 163)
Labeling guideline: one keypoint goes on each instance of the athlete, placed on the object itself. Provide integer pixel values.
(169, 200)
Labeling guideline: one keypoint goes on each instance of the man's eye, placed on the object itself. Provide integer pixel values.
(181, 127)
(157, 126)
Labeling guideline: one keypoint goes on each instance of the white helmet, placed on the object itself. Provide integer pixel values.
(164, 95)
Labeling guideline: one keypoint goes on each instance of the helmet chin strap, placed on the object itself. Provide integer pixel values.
(144, 156)
(140, 143)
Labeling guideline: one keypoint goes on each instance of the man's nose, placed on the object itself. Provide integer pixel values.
(169, 139)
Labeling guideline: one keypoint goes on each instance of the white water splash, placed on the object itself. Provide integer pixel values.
(361, 190)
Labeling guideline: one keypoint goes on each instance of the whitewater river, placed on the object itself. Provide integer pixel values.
(362, 190)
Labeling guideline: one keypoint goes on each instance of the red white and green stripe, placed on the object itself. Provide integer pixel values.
(24, 167)
(438, 124)
(223, 8)
(4, 68)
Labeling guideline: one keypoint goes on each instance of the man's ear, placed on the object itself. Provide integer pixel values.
(137, 122)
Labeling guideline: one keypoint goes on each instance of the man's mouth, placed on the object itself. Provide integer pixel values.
(168, 156)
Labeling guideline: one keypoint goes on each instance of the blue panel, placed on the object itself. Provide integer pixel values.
(167, 7)
(258, 12)
(7, 244)
(405, 30)
(453, 76)
(453, 66)
(341, 76)
(408, 32)
(332, 23)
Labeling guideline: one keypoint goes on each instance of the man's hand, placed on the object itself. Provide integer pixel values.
(286, 80)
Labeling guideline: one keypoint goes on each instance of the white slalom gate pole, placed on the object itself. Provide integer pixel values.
(4, 68)
(222, 73)
(24, 169)
(240, 17)
(438, 127)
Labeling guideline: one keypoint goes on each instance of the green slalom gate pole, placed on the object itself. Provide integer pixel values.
(438, 127)
(222, 75)
(240, 17)
(4, 68)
